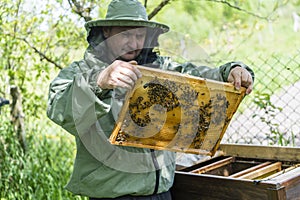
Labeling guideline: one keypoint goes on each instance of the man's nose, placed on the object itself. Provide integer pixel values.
(133, 43)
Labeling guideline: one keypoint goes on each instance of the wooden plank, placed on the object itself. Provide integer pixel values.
(291, 177)
(291, 181)
(292, 188)
(262, 152)
(267, 184)
(203, 162)
(208, 187)
(277, 192)
(283, 171)
(251, 169)
(214, 165)
(262, 171)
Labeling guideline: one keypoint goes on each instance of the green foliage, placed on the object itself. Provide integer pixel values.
(276, 136)
(34, 43)
(39, 37)
(41, 172)
(239, 28)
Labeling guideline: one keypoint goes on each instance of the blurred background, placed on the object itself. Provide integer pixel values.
(38, 38)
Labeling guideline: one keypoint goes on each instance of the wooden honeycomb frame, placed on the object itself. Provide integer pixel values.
(172, 111)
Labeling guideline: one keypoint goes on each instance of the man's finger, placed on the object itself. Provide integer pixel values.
(133, 62)
(237, 78)
(132, 66)
(249, 89)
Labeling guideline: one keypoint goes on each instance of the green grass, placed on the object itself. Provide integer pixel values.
(42, 171)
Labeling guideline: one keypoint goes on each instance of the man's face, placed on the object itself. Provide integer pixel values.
(125, 43)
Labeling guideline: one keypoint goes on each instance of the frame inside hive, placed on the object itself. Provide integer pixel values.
(172, 111)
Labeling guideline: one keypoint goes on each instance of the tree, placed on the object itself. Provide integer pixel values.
(38, 38)
(33, 44)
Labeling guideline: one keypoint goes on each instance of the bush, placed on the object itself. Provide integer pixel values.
(39, 173)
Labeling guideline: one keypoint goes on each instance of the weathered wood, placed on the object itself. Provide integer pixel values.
(251, 169)
(262, 152)
(291, 177)
(290, 180)
(264, 171)
(278, 192)
(214, 165)
(283, 171)
(292, 190)
(267, 185)
(208, 187)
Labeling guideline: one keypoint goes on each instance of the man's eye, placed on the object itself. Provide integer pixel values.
(126, 34)
(140, 36)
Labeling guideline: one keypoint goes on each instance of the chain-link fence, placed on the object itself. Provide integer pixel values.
(271, 114)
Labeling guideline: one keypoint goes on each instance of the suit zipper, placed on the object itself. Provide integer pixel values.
(157, 172)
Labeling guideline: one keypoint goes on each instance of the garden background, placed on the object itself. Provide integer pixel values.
(38, 38)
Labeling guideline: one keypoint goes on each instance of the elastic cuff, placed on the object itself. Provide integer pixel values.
(233, 65)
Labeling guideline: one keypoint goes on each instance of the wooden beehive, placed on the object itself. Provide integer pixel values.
(171, 111)
(242, 172)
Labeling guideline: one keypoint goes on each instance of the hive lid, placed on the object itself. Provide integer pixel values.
(172, 111)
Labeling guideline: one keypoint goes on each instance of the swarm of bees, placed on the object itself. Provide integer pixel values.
(172, 114)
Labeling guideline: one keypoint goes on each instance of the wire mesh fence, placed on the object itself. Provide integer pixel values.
(271, 114)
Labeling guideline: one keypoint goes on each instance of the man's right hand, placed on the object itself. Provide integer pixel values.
(119, 74)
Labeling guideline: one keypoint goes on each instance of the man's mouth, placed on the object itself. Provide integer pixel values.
(131, 52)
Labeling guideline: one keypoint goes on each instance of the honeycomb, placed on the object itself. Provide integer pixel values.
(171, 111)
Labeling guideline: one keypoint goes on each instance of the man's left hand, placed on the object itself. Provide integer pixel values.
(239, 76)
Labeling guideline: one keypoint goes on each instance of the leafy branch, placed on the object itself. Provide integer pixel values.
(158, 8)
(165, 2)
(41, 54)
(263, 103)
(240, 9)
(84, 12)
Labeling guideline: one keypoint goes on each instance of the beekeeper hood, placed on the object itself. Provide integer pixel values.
(123, 13)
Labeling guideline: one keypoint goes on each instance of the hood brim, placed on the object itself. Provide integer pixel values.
(125, 22)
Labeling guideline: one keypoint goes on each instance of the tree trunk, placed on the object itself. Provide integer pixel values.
(17, 116)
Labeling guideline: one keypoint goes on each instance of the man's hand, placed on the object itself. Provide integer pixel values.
(241, 77)
(119, 74)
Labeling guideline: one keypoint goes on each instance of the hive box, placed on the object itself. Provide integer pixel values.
(171, 111)
(242, 172)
